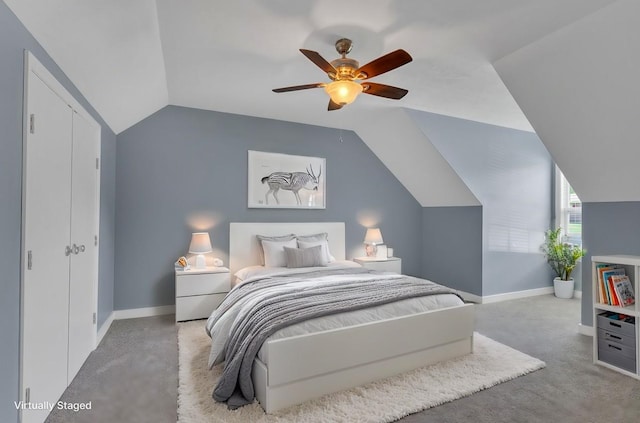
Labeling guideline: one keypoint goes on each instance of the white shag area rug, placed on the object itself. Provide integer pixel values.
(386, 400)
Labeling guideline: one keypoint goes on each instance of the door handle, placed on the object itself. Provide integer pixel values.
(82, 248)
(67, 250)
(75, 249)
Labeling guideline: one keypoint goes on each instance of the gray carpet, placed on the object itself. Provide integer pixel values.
(132, 376)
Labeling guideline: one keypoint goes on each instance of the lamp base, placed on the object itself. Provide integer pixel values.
(201, 263)
(371, 250)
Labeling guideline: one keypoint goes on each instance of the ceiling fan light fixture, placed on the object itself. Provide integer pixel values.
(343, 92)
(345, 72)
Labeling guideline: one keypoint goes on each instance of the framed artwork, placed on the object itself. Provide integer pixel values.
(285, 181)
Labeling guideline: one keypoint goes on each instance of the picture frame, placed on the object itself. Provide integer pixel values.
(285, 181)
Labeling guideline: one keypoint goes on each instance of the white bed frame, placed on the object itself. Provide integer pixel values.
(308, 366)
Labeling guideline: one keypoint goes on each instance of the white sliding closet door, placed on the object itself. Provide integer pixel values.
(84, 259)
(47, 224)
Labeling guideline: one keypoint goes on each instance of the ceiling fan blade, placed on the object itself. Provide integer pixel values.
(333, 105)
(298, 87)
(382, 90)
(319, 61)
(385, 63)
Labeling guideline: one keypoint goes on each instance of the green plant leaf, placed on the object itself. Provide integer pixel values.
(561, 256)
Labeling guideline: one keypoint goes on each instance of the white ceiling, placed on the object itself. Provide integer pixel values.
(587, 113)
(131, 58)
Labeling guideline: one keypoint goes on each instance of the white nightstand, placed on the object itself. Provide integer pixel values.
(200, 291)
(390, 264)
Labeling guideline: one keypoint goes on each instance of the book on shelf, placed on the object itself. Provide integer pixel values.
(614, 300)
(606, 279)
(602, 291)
(623, 289)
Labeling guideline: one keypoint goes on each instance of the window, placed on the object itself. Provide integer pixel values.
(568, 209)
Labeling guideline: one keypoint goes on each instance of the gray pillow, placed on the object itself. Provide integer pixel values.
(281, 238)
(315, 237)
(305, 257)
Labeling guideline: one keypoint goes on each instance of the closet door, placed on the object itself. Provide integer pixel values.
(84, 227)
(47, 195)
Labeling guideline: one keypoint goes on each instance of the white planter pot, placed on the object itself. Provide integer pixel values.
(563, 289)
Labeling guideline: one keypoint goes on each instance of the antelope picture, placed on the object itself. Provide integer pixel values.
(291, 181)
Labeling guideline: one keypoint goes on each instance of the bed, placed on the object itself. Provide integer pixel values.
(295, 367)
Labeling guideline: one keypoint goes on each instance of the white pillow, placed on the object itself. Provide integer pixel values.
(271, 238)
(313, 240)
(274, 255)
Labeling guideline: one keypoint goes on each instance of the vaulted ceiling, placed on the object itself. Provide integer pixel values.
(570, 65)
(131, 58)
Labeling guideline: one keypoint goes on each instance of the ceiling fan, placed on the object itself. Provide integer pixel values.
(345, 74)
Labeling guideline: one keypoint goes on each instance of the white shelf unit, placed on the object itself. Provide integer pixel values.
(631, 264)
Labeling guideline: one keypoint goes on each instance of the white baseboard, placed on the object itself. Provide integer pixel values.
(487, 299)
(585, 330)
(135, 313)
(104, 328)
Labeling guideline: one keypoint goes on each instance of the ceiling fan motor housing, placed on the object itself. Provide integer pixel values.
(346, 68)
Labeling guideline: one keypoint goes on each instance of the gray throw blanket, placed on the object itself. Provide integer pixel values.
(282, 306)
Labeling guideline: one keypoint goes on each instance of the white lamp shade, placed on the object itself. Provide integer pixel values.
(200, 243)
(373, 236)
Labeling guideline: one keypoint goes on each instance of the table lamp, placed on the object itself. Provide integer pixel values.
(200, 245)
(371, 239)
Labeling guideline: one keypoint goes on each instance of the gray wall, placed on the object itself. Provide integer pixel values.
(14, 39)
(510, 172)
(452, 247)
(107, 224)
(182, 170)
(607, 228)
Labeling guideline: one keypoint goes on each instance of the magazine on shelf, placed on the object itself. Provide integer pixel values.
(624, 289)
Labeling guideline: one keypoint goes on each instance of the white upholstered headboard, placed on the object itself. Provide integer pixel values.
(243, 244)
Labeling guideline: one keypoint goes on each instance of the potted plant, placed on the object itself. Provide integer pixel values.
(562, 257)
